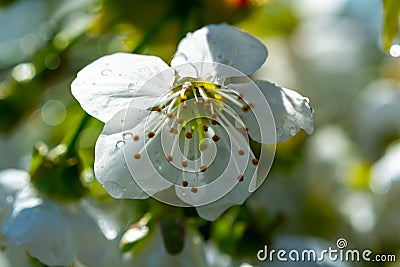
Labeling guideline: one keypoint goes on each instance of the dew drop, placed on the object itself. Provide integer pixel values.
(132, 86)
(292, 131)
(106, 72)
(127, 136)
(120, 144)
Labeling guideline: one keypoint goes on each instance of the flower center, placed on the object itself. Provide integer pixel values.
(194, 119)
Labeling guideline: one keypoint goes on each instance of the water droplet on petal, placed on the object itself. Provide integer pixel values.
(292, 131)
(127, 136)
(106, 72)
(120, 144)
(132, 86)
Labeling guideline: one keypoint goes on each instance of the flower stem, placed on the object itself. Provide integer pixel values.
(70, 140)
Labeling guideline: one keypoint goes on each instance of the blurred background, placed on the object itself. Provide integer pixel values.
(343, 181)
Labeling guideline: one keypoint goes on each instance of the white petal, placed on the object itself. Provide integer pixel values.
(13, 180)
(152, 252)
(152, 171)
(110, 166)
(224, 44)
(291, 110)
(40, 226)
(107, 85)
(91, 246)
(259, 119)
(235, 197)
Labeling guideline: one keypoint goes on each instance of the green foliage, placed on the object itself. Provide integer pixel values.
(173, 233)
(390, 22)
(55, 173)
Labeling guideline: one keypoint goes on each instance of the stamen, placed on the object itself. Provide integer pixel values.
(241, 152)
(241, 178)
(170, 158)
(193, 189)
(203, 168)
(233, 158)
(184, 164)
(205, 128)
(188, 135)
(230, 98)
(185, 183)
(202, 93)
(234, 116)
(150, 134)
(136, 137)
(137, 156)
(215, 138)
(254, 161)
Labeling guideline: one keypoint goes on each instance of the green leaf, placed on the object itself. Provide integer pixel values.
(390, 22)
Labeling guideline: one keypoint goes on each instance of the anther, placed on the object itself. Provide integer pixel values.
(197, 103)
(150, 134)
(193, 189)
(184, 106)
(254, 161)
(241, 152)
(170, 115)
(215, 138)
(205, 128)
(214, 115)
(203, 168)
(214, 122)
(137, 156)
(136, 137)
(241, 178)
(183, 98)
(158, 109)
(184, 164)
(188, 135)
(170, 158)
(246, 107)
(245, 129)
(185, 183)
(179, 121)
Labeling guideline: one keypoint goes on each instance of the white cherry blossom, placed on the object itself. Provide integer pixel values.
(55, 233)
(182, 133)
